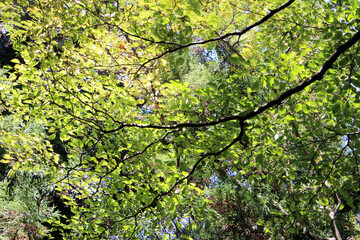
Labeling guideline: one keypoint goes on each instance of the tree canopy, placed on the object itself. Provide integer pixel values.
(188, 119)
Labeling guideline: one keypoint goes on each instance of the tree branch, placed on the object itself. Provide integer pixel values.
(334, 228)
(285, 95)
(178, 182)
(240, 33)
(317, 76)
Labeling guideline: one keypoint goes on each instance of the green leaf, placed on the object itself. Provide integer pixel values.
(15, 60)
(289, 118)
(355, 3)
(180, 61)
(323, 201)
(336, 107)
(256, 86)
(52, 136)
(292, 175)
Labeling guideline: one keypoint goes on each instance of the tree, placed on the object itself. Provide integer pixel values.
(278, 120)
(24, 208)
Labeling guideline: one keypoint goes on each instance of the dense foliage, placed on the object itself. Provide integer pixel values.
(186, 119)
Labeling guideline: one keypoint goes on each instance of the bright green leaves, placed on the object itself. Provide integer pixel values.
(298, 107)
(111, 81)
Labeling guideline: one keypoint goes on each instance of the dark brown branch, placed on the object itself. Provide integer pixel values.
(317, 76)
(130, 157)
(175, 126)
(285, 95)
(195, 166)
(240, 33)
(126, 33)
(247, 29)
(179, 46)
